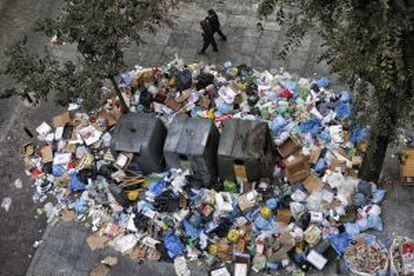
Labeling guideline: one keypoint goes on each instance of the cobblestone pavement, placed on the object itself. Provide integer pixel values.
(244, 45)
(64, 250)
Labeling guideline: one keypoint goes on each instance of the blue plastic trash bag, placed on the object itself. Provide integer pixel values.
(224, 108)
(323, 82)
(277, 124)
(325, 136)
(134, 167)
(340, 242)
(253, 214)
(236, 212)
(352, 229)
(343, 110)
(374, 222)
(272, 203)
(365, 188)
(75, 184)
(320, 165)
(173, 245)
(80, 206)
(143, 206)
(345, 96)
(311, 126)
(359, 200)
(362, 224)
(190, 230)
(289, 84)
(262, 223)
(58, 170)
(157, 187)
(358, 134)
(378, 196)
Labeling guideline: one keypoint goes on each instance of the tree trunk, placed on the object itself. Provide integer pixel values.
(373, 159)
(119, 93)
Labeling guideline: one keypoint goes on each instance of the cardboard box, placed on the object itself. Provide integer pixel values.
(407, 166)
(297, 169)
(289, 147)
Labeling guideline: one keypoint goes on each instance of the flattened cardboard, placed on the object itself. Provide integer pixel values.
(61, 120)
(297, 170)
(312, 183)
(96, 242)
(284, 215)
(316, 152)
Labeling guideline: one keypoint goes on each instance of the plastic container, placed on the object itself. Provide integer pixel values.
(143, 135)
(246, 150)
(192, 144)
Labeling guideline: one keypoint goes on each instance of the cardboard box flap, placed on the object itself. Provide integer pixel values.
(312, 183)
(61, 120)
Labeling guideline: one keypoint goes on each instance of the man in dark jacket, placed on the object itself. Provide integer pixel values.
(215, 23)
(208, 36)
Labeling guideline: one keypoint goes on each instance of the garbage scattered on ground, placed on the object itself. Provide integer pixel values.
(100, 270)
(110, 260)
(37, 243)
(402, 256)
(219, 164)
(18, 183)
(367, 256)
(6, 203)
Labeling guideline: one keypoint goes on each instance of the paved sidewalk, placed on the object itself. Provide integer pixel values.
(244, 45)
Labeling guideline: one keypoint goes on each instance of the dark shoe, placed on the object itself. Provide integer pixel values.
(215, 50)
(201, 52)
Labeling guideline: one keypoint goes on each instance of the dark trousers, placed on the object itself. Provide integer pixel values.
(220, 32)
(207, 40)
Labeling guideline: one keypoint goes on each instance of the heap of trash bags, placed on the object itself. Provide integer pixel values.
(311, 210)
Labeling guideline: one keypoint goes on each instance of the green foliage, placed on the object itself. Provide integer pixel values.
(365, 41)
(41, 74)
(101, 30)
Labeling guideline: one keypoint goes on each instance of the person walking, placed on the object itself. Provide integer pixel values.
(215, 23)
(208, 37)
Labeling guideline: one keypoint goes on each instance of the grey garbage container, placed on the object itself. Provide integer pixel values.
(142, 134)
(246, 148)
(192, 144)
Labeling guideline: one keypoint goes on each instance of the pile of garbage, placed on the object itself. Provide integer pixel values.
(310, 210)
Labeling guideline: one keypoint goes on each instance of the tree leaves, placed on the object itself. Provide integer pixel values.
(100, 29)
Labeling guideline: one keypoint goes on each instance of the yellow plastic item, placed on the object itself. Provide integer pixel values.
(233, 235)
(132, 195)
(266, 212)
(210, 113)
(213, 249)
(147, 181)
